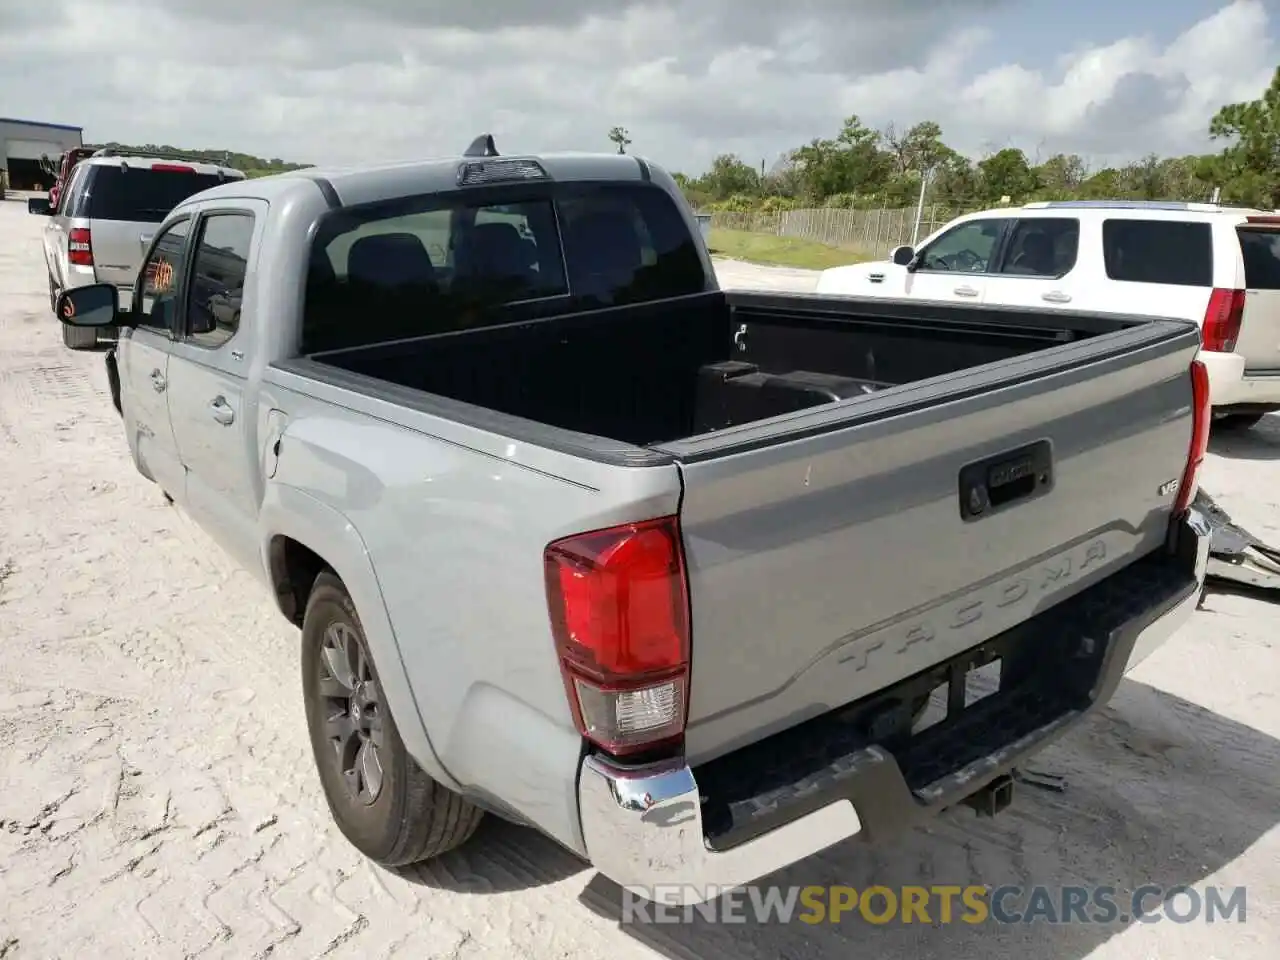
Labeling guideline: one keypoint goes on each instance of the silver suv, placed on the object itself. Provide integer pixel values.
(106, 217)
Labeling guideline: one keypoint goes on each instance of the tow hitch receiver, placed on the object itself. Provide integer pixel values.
(992, 798)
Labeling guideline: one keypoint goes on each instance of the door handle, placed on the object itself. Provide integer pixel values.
(158, 381)
(221, 411)
(966, 292)
(1056, 296)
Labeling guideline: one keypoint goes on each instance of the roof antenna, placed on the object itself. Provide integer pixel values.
(482, 146)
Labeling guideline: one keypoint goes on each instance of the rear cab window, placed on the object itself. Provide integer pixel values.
(141, 194)
(426, 265)
(1169, 252)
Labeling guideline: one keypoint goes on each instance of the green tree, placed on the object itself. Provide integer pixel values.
(860, 168)
(955, 182)
(1060, 177)
(620, 137)
(1006, 174)
(917, 148)
(1249, 166)
(852, 163)
(729, 177)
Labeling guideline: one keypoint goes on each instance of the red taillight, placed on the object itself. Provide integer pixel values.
(1222, 320)
(1201, 413)
(173, 167)
(619, 605)
(79, 247)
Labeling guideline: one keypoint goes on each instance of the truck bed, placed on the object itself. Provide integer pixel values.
(657, 373)
(984, 465)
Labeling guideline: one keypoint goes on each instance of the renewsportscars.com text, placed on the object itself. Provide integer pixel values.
(971, 904)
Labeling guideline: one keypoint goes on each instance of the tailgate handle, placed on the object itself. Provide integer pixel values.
(1005, 480)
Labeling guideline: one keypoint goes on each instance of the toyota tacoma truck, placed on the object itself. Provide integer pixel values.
(675, 575)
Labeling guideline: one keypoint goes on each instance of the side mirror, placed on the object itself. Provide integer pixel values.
(40, 206)
(93, 306)
(902, 255)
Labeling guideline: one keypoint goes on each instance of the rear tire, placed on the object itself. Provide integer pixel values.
(381, 800)
(79, 338)
(1237, 421)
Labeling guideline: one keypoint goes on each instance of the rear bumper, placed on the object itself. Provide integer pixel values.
(646, 828)
(1230, 387)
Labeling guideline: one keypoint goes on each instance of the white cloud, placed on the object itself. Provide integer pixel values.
(325, 81)
(1132, 96)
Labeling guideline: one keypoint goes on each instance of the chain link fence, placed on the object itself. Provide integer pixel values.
(869, 233)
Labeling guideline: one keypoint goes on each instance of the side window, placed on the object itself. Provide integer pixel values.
(963, 249)
(156, 303)
(1042, 247)
(72, 187)
(217, 278)
(1172, 252)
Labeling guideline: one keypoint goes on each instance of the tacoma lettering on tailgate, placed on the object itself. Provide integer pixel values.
(1002, 604)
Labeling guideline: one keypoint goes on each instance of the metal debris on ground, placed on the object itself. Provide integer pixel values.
(1236, 556)
(1040, 780)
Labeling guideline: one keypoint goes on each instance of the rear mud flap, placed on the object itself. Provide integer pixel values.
(113, 379)
(1236, 557)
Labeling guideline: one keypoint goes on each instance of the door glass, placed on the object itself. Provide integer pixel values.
(1159, 251)
(1042, 247)
(217, 278)
(72, 191)
(157, 307)
(965, 249)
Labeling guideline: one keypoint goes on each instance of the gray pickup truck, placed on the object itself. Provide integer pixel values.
(675, 575)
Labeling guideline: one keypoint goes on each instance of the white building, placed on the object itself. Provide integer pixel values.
(24, 142)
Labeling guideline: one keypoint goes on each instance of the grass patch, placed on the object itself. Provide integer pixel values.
(781, 251)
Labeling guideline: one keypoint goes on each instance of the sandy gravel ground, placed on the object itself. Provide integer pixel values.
(157, 796)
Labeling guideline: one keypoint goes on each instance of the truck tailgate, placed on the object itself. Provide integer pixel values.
(836, 551)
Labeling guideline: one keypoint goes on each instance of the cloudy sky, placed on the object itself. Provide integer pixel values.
(338, 81)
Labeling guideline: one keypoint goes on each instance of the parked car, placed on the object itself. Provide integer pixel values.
(107, 217)
(670, 574)
(1218, 266)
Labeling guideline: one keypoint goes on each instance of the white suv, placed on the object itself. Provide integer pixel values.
(106, 216)
(1218, 266)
